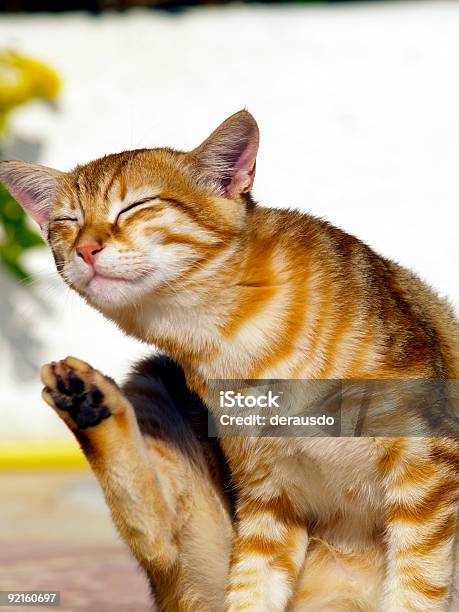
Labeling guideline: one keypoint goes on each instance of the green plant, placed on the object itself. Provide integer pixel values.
(16, 237)
(22, 79)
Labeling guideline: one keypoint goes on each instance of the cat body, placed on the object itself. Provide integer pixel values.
(172, 248)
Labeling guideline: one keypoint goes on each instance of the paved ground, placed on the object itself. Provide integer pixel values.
(55, 533)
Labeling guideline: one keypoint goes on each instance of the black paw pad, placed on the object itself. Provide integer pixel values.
(84, 407)
(63, 403)
(61, 386)
(89, 416)
(95, 395)
(75, 384)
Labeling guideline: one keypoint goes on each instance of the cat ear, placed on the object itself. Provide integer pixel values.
(225, 161)
(34, 187)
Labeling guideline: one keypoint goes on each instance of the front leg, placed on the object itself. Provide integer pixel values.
(268, 553)
(104, 423)
(422, 489)
(163, 499)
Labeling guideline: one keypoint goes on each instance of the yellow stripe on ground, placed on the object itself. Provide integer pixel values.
(41, 454)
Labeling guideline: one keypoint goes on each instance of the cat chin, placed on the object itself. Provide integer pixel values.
(106, 293)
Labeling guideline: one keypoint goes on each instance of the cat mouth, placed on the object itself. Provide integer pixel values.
(102, 282)
(109, 277)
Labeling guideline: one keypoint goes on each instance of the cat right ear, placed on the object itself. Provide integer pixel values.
(225, 161)
(33, 186)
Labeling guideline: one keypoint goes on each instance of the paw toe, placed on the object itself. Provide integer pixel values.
(47, 375)
(75, 384)
(61, 385)
(78, 365)
(95, 395)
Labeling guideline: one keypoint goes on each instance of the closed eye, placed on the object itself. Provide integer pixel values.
(135, 204)
(65, 219)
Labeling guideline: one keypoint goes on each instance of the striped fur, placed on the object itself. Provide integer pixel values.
(229, 289)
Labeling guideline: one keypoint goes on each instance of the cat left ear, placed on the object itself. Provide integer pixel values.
(34, 187)
(225, 161)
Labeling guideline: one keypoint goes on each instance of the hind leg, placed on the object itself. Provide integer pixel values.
(163, 506)
(422, 494)
(336, 581)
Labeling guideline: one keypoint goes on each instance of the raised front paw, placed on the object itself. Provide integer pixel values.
(82, 396)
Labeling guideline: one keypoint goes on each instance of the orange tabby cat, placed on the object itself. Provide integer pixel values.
(171, 247)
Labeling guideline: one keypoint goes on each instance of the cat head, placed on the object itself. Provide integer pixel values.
(139, 222)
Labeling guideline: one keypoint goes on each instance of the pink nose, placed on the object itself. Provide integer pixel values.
(88, 252)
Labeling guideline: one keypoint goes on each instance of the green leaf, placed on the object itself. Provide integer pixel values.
(17, 237)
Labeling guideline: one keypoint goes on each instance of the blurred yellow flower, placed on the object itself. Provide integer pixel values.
(23, 78)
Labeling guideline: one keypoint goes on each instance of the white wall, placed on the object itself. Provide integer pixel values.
(358, 109)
